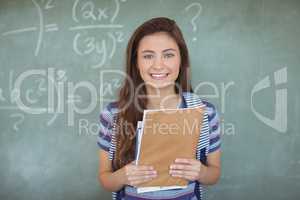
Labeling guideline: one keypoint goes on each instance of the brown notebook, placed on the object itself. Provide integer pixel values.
(166, 135)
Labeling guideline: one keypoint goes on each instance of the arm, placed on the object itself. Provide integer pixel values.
(211, 173)
(109, 181)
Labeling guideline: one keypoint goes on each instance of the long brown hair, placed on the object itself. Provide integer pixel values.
(131, 111)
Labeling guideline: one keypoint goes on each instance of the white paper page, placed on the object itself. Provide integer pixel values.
(158, 188)
(138, 140)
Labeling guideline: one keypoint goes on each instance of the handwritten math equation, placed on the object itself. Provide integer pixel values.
(86, 17)
(95, 35)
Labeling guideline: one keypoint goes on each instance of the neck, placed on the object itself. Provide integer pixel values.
(162, 98)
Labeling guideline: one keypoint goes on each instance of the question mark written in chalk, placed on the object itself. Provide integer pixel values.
(19, 121)
(199, 10)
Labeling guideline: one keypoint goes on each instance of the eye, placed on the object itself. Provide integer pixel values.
(148, 56)
(169, 55)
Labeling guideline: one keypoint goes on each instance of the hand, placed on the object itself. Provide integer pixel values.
(189, 169)
(137, 174)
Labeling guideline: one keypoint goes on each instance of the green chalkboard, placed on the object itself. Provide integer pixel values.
(61, 62)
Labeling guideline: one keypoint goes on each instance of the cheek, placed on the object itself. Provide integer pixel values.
(144, 63)
(175, 69)
(174, 65)
(142, 66)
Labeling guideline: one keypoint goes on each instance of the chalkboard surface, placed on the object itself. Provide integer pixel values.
(61, 62)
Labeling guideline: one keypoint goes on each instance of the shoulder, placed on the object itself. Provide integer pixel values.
(193, 99)
(106, 125)
(210, 109)
(111, 107)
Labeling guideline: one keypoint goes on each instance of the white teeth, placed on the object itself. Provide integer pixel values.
(159, 75)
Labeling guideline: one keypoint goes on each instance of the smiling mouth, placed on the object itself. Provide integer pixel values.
(159, 76)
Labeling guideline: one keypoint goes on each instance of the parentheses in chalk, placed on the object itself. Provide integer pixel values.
(114, 44)
(75, 44)
(117, 3)
(74, 13)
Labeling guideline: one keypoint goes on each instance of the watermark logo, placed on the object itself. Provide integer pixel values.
(279, 122)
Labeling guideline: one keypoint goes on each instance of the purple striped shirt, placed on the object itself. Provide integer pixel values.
(105, 136)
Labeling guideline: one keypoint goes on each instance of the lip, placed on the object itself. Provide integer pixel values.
(159, 76)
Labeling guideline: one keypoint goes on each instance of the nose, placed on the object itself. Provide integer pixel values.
(158, 62)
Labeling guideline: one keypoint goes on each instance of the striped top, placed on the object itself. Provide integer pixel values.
(209, 141)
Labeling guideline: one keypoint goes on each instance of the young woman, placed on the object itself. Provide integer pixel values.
(158, 76)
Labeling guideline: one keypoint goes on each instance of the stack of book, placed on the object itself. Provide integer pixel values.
(163, 136)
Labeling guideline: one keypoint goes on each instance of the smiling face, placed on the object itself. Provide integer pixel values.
(158, 60)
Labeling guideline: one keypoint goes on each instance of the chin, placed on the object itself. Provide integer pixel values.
(161, 85)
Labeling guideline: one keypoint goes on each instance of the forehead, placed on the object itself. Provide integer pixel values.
(157, 41)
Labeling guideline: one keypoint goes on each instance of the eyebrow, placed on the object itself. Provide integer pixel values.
(150, 51)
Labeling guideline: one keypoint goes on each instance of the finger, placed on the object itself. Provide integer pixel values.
(143, 177)
(183, 173)
(185, 167)
(139, 170)
(138, 182)
(186, 161)
(144, 167)
(133, 162)
(142, 173)
(129, 168)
